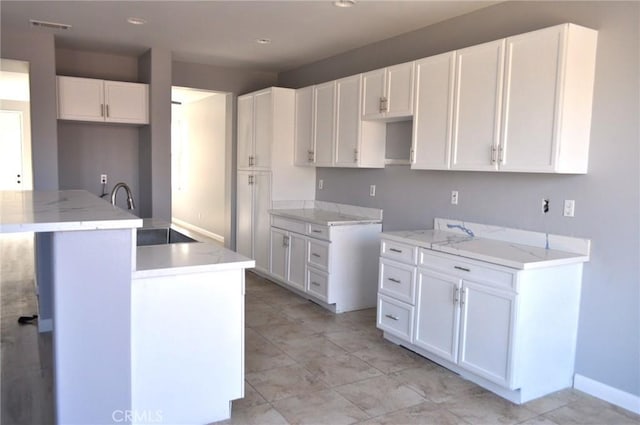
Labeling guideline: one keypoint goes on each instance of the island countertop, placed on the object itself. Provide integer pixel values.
(57, 211)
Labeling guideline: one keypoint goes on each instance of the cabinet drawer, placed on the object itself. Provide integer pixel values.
(318, 284)
(467, 269)
(318, 254)
(395, 317)
(291, 225)
(397, 280)
(318, 231)
(398, 251)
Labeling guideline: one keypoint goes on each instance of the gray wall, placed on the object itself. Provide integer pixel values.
(607, 198)
(38, 50)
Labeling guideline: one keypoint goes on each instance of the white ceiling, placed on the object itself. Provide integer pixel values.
(224, 32)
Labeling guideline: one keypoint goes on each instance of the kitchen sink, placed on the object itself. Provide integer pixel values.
(160, 236)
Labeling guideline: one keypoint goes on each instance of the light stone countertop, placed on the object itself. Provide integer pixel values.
(58, 211)
(323, 217)
(504, 253)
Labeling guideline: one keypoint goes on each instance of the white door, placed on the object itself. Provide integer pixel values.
(324, 123)
(433, 113)
(262, 219)
(245, 131)
(11, 159)
(244, 214)
(279, 253)
(126, 102)
(297, 260)
(373, 89)
(531, 100)
(486, 332)
(263, 129)
(478, 96)
(437, 314)
(80, 99)
(400, 90)
(348, 121)
(304, 150)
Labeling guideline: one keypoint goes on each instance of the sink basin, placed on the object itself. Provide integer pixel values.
(160, 236)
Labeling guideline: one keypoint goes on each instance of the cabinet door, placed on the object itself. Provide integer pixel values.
(245, 131)
(126, 102)
(437, 314)
(431, 144)
(324, 123)
(400, 90)
(279, 253)
(348, 121)
(244, 214)
(80, 99)
(297, 260)
(261, 224)
(486, 339)
(373, 89)
(531, 96)
(263, 130)
(478, 96)
(304, 148)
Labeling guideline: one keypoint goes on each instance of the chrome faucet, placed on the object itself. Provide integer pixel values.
(130, 204)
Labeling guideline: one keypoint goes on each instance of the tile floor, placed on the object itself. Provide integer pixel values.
(304, 365)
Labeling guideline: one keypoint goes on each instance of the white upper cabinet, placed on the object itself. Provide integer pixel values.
(88, 99)
(324, 123)
(433, 112)
(478, 105)
(304, 143)
(255, 130)
(548, 94)
(388, 93)
(245, 131)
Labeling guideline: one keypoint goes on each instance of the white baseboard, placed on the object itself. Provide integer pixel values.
(200, 230)
(605, 392)
(45, 325)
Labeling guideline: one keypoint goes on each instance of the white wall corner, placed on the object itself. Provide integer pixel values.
(607, 393)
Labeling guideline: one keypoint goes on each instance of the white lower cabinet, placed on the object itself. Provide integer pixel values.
(333, 265)
(511, 331)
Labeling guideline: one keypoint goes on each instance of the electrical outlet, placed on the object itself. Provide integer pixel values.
(569, 208)
(454, 197)
(320, 184)
(103, 179)
(545, 206)
(372, 190)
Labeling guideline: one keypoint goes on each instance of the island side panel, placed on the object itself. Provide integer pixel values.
(92, 325)
(44, 279)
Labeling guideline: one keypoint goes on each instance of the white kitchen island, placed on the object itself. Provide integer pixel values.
(126, 346)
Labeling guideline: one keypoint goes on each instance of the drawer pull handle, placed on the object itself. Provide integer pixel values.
(399, 251)
(317, 231)
(316, 255)
(391, 316)
(464, 269)
(315, 283)
(394, 280)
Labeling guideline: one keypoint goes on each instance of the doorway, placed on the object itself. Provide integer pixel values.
(200, 144)
(15, 126)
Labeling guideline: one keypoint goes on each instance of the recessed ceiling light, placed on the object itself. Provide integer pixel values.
(263, 41)
(136, 21)
(344, 3)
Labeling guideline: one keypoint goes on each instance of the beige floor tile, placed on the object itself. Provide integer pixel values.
(251, 398)
(487, 408)
(380, 395)
(353, 341)
(279, 333)
(588, 410)
(427, 413)
(265, 316)
(539, 420)
(340, 370)
(553, 401)
(284, 382)
(263, 414)
(389, 358)
(330, 323)
(366, 317)
(303, 349)
(306, 311)
(322, 407)
(263, 355)
(434, 382)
